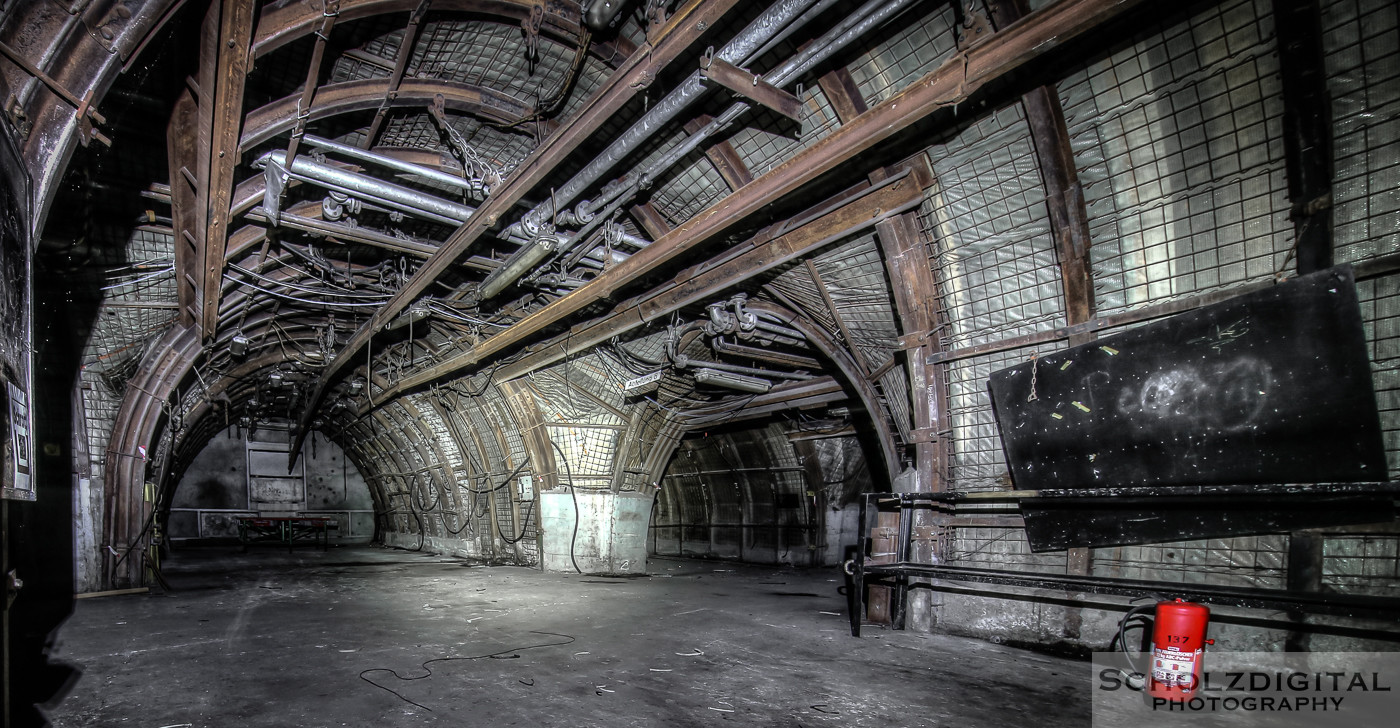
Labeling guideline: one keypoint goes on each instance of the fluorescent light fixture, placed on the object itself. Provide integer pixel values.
(733, 381)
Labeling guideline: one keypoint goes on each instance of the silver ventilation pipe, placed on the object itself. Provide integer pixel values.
(739, 50)
(404, 199)
(869, 16)
(865, 19)
(385, 160)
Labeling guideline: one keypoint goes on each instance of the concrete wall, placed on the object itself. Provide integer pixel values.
(611, 531)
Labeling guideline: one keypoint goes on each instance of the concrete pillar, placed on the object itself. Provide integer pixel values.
(612, 531)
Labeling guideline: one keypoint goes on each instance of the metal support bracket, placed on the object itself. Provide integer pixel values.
(751, 86)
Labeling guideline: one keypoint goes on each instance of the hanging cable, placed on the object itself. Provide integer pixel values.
(569, 471)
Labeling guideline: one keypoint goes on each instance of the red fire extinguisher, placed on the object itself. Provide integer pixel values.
(1178, 641)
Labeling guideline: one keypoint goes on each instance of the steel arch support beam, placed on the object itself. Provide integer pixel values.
(684, 30)
(280, 116)
(956, 80)
(279, 26)
(850, 371)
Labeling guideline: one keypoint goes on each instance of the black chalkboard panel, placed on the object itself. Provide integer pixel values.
(1269, 387)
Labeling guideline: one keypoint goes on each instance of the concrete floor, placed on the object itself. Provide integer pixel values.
(374, 637)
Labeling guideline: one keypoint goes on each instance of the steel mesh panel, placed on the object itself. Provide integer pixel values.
(1242, 561)
(1362, 60)
(137, 308)
(1380, 316)
(562, 391)
(977, 461)
(590, 76)
(796, 284)
(854, 276)
(489, 54)
(738, 494)
(419, 131)
(1361, 564)
(442, 437)
(348, 68)
(694, 186)
(908, 51)
(100, 413)
(505, 421)
(1178, 141)
(995, 257)
(762, 150)
(490, 447)
(1001, 548)
(588, 452)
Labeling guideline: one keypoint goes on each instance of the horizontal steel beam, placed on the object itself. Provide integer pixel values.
(683, 30)
(985, 62)
(756, 256)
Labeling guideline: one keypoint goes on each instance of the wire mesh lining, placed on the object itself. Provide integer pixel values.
(445, 446)
(136, 309)
(693, 187)
(1363, 78)
(908, 51)
(1380, 316)
(854, 276)
(995, 256)
(1178, 141)
(385, 47)
(762, 149)
(713, 502)
(419, 131)
(1362, 564)
(492, 55)
(561, 391)
(977, 461)
(588, 452)
(1001, 548)
(1242, 561)
(592, 75)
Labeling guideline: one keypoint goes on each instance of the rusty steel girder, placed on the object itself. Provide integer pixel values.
(677, 37)
(280, 117)
(947, 85)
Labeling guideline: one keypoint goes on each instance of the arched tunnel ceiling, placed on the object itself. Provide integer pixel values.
(455, 235)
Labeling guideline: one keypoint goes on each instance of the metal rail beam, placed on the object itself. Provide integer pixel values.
(187, 221)
(409, 39)
(723, 156)
(951, 83)
(280, 116)
(697, 285)
(235, 33)
(681, 32)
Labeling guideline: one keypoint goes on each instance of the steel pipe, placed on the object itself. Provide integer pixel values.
(738, 51)
(869, 16)
(385, 160)
(398, 197)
